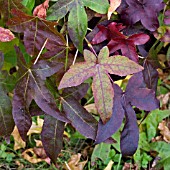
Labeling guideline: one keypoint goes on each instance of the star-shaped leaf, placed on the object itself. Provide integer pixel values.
(117, 40)
(37, 32)
(144, 11)
(32, 86)
(98, 68)
(77, 19)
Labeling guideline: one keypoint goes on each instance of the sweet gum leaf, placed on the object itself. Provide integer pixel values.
(98, 68)
(36, 32)
(83, 121)
(139, 95)
(144, 11)
(119, 41)
(130, 134)
(52, 137)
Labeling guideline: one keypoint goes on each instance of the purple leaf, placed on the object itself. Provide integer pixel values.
(6, 119)
(138, 95)
(52, 137)
(144, 11)
(77, 92)
(130, 134)
(20, 110)
(83, 121)
(150, 75)
(106, 130)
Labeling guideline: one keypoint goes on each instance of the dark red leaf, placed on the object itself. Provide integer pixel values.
(118, 41)
(130, 134)
(52, 137)
(37, 32)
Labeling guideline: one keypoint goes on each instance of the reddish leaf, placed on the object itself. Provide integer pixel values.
(36, 32)
(6, 6)
(99, 68)
(83, 121)
(6, 35)
(138, 95)
(130, 134)
(108, 129)
(144, 11)
(119, 41)
(41, 10)
(52, 137)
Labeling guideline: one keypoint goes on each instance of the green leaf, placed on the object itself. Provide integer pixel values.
(163, 150)
(100, 151)
(152, 121)
(98, 68)
(100, 6)
(77, 19)
(29, 4)
(77, 25)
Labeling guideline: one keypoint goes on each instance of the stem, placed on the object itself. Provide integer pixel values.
(75, 56)
(67, 47)
(119, 161)
(90, 46)
(38, 56)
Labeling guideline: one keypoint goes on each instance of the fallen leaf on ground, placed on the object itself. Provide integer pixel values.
(114, 4)
(18, 142)
(36, 127)
(74, 163)
(164, 130)
(33, 158)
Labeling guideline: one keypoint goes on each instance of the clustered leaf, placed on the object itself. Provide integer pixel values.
(36, 93)
(98, 68)
(32, 86)
(136, 94)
